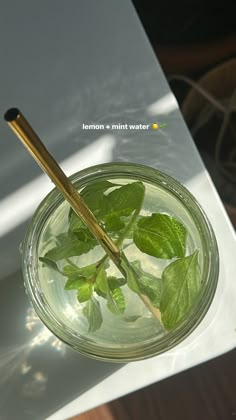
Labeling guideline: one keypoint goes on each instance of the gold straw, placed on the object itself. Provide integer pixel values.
(36, 148)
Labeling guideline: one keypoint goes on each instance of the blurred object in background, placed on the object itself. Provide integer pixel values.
(209, 110)
(189, 37)
(196, 47)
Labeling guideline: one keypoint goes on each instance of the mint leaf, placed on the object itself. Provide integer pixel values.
(85, 235)
(75, 222)
(97, 186)
(49, 263)
(97, 203)
(101, 280)
(111, 208)
(131, 274)
(113, 223)
(74, 272)
(114, 282)
(161, 236)
(181, 282)
(80, 279)
(93, 197)
(105, 284)
(99, 292)
(116, 301)
(70, 246)
(148, 284)
(92, 312)
(84, 292)
(142, 282)
(75, 284)
(122, 202)
(151, 287)
(132, 227)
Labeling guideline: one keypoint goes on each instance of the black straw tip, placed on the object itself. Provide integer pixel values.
(11, 114)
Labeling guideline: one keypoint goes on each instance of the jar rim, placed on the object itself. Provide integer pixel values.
(210, 270)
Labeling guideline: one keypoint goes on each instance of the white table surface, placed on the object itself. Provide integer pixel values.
(65, 64)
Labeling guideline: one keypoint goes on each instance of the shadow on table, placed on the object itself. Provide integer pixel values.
(41, 372)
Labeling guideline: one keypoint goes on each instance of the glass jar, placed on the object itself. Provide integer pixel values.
(135, 333)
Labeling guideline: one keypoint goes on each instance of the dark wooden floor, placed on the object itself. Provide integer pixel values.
(206, 392)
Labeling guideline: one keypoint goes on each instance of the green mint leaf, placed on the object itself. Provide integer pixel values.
(161, 236)
(75, 284)
(70, 246)
(105, 284)
(49, 263)
(84, 292)
(114, 283)
(181, 282)
(79, 278)
(116, 301)
(142, 282)
(97, 203)
(101, 280)
(131, 274)
(97, 186)
(151, 287)
(109, 209)
(124, 200)
(148, 284)
(75, 222)
(85, 235)
(62, 237)
(133, 226)
(117, 224)
(92, 312)
(99, 292)
(113, 223)
(74, 272)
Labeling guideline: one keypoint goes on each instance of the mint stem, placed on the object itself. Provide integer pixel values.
(155, 312)
(124, 234)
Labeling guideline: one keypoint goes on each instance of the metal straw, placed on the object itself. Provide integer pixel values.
(36, 148)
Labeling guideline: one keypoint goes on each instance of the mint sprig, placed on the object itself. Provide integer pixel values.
(116, 301)
(70, 246)
(92, 311)
(161, 236)
(148, 284)
(118, 209)
(181, 283)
